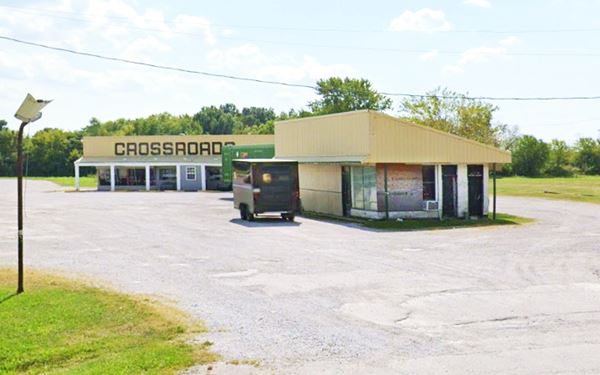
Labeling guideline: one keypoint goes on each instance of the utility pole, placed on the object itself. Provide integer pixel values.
(28, 112)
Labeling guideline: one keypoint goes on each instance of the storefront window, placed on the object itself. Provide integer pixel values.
(364, 188)
(428, 182)
(103, 176)
(130, 176)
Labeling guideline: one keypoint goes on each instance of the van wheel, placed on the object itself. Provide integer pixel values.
(244, 212)
(287, 216)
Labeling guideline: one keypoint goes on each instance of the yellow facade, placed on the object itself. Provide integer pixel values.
(112, 146)
(323, 144)
(373, 137)
(321, 188)
(394, 140)
(340, 135)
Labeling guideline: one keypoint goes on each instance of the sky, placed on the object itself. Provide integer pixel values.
(492, 48)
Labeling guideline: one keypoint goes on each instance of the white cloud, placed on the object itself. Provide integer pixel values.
(250, 60)
(244, 55)
(422, 20)
(452, 69)
(510, 41)
(479, 55)
(478, 3)
(143, 48)
(192, 24)
(429, 56)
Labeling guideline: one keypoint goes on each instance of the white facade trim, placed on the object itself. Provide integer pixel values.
(147, 177)
(178, 176)
(462, 182)
(486, 198)
(203, 176)
(76, 176)
(112, 177)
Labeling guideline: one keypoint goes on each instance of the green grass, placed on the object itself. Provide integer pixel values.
(427, 224)
(84, 181)
(59, 326)
(581, 188)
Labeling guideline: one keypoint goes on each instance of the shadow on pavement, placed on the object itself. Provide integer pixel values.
(265, 222)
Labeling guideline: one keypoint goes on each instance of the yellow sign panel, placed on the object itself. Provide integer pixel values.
(168, 145)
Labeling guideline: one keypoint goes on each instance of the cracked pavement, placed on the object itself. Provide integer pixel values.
(317, 297)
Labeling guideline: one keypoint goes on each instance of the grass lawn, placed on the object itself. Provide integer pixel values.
(61, 326)
(84, 181)
(581, 188)
(427, 224)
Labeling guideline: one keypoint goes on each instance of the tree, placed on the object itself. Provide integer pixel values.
(221, 120)
(587, 156)
(559, 159)
(253, 116)
(454, 113)
(347, 94)
(8, 155)
(51, 152)
(529, 156)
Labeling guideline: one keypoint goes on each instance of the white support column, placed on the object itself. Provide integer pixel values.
(439, 194)
(462, 182)
(486, 197)
(112, 177)
(147, 177)
(178, 178)
(203, 176)
(77, 176)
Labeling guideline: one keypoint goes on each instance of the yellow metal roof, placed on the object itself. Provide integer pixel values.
(374, 137)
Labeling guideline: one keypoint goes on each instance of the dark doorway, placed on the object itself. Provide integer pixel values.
(214, 179)
(475, 175)
(346, 192)
(449, 200)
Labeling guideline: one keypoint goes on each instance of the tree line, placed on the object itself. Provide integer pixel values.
(52, 151)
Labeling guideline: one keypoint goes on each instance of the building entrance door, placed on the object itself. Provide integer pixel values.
(475, 176)
(167, 178)
(449, 198)
(346, 191)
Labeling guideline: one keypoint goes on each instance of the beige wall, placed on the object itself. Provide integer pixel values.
(393, 140)
(321, 188)
(105, 146)
(345, 134)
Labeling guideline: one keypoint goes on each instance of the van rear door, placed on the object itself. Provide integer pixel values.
(277, 187)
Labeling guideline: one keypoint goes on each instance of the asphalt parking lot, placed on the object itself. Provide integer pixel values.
(315, 297)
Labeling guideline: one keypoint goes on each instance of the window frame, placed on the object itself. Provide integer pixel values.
(361, 200)
(187, 173)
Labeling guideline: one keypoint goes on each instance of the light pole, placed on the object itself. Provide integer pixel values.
(28, 112)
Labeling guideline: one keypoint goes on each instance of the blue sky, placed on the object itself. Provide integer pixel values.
(480, 47)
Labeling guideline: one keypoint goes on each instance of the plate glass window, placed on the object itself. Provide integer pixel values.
(190, 173)
(364, 188)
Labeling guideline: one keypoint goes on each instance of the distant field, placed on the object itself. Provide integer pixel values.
(582, 188)
(88, 181)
